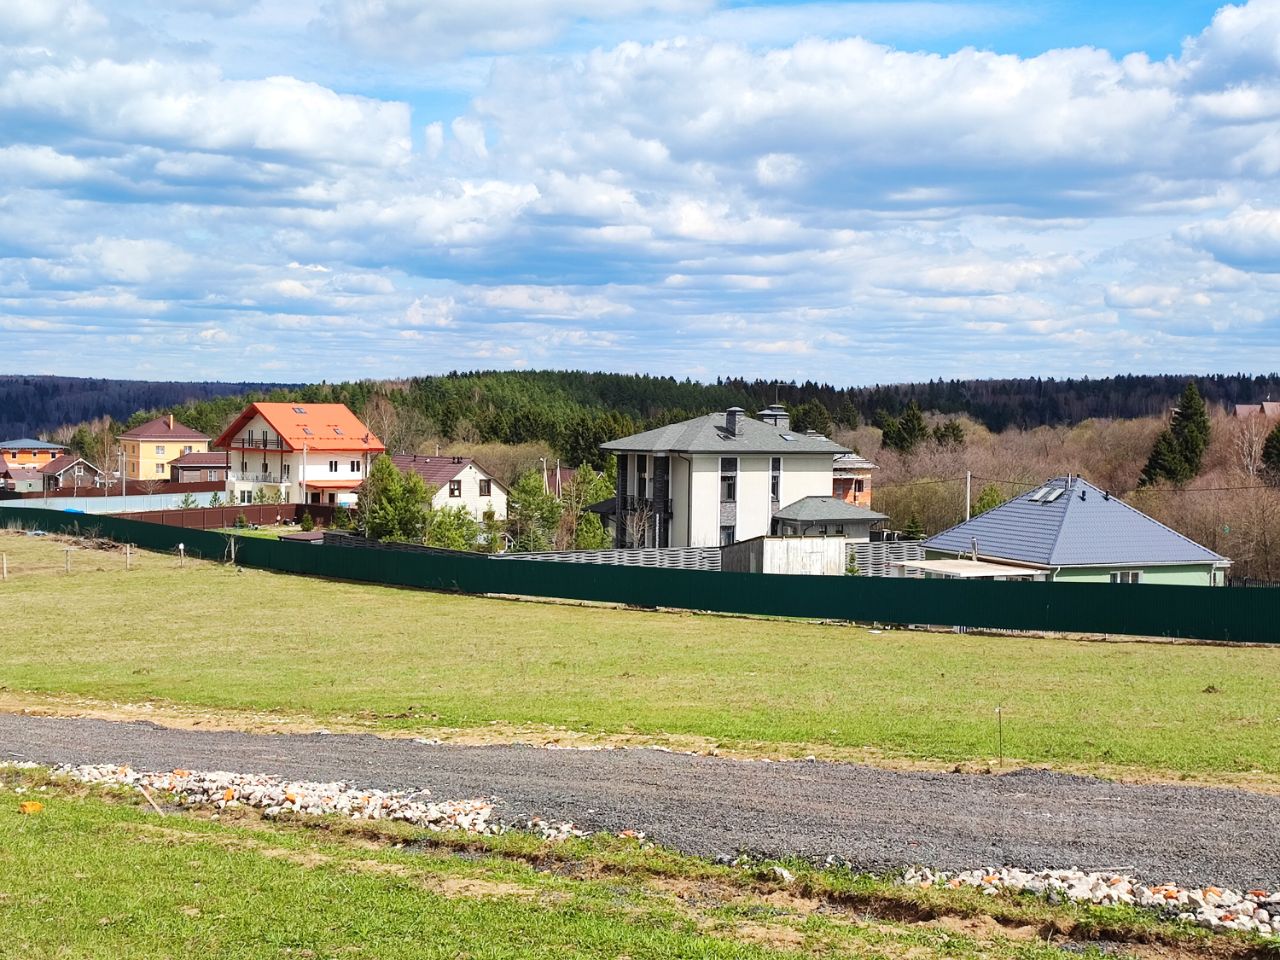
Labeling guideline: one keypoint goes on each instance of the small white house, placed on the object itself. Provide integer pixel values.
(716, 479)
(459, 482)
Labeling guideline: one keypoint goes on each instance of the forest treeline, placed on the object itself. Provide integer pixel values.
(35, 405)
(575, 411)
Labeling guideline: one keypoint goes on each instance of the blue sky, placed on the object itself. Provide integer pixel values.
(849, 192)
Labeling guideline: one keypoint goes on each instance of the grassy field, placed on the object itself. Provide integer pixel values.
(96, 874)
(210, 636)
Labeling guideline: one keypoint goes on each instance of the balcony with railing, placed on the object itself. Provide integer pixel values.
(259, 478)
(258, 443)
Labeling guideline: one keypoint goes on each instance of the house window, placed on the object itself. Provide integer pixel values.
(355, 466)
(244, 466)
(266, 468)
(159, 468)
(1126, 576)
(726, 536)
(486, 488)
(333, 466)
(859, 485)
(284, 470)
(455, 488)
(78, 471)
(728, 482)
(213, 475)
(159, 449)
(775, 478)
(246, 496)
(188, 449)
(642, 476)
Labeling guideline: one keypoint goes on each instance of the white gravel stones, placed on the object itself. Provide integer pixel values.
(1251, 911)
(274, 796)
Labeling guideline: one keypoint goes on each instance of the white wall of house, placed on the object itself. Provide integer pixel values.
(286, 470)
(469, 496)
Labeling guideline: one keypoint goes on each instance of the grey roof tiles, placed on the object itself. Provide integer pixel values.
(1071, 524)
(708, 434)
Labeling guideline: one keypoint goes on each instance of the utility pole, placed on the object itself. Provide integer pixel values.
(968, 493)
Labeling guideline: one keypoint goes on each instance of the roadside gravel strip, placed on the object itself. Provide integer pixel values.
(876, 819)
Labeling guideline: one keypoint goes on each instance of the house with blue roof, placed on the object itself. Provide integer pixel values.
(1070, 530)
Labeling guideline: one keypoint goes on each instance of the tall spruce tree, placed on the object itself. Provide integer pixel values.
(1271, 455)
(1178, 453)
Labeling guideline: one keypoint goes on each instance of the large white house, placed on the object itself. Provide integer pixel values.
(304, 452)
(458, 482)
(716, 479)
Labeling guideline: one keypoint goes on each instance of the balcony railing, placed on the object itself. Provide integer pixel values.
(258, 443)
(259, 478)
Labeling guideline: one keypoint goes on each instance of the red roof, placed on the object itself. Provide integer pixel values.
(332, 484)
(65, 462)
(437, 471)
(319, 426)
(162, 428)
(214, 458)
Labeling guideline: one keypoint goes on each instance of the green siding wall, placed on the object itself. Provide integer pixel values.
(1189, 575)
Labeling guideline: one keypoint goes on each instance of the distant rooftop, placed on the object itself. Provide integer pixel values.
(825, 510)
(26, 443)
(1068, 522)
(709, 434)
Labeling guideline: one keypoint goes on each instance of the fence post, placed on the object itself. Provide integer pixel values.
(4, 566)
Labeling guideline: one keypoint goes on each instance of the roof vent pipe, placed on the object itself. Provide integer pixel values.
(732, 419)
(973, 549)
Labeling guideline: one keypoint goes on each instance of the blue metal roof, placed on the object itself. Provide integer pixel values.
(26, 443)
(1068, 522)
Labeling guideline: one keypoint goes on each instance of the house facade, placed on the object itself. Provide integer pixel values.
(458, 482)
(69, 473)
(851, 479)
(150, 447)
(298, 452)
(715, 479)
(1071, 531)
(199, 467)
(26, 452)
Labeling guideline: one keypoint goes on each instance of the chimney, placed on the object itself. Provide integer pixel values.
(732, 420)
(777, 415)
(171, 421)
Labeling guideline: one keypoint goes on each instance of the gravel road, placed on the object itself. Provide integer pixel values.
(876, 819)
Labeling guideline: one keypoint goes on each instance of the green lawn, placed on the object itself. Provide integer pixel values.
(210, 636)
(94, 877)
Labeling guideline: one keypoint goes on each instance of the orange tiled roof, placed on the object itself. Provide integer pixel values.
(320, 426)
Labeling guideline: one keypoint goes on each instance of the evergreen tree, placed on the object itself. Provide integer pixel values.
(492, 533)
(950, 433)
(848, 417)
(908, 431)
(989, 498)
(215, 500)
(307, 523)
(393, 504)
(1271, 454)
(1166, 462)
(452, 528)
(1190, 427)
(811, 415)
(1178, 452)
(532, 513)
(914, 530)
(188, 502)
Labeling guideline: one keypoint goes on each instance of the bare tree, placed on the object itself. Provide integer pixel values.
(1248, 437)
(639, 526)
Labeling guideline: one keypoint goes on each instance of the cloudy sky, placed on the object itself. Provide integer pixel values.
(845, 191)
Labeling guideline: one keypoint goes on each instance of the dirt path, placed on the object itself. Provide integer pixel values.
(877, 819)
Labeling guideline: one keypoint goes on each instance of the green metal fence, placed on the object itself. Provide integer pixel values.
(1203, 613)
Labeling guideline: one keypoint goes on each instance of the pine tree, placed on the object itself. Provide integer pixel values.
(1271, 455)
(393, 504)
(1190, 428)
(914, 530)
(1166, 462)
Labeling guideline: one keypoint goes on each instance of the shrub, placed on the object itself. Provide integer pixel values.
(307, 523)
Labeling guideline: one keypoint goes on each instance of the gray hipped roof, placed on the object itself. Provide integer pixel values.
(708, 435)
(825, 510)
(1068, 522)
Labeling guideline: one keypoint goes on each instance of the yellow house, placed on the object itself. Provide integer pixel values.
(150, 447)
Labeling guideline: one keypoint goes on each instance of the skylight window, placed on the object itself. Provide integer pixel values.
(337, 431)
(1054, 495)
(299, 409)
(788, 436)
(1038, 495)
(307, 431)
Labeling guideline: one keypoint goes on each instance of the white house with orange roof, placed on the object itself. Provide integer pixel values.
(303, 452)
